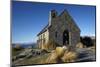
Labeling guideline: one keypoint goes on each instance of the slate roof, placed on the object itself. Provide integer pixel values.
(43, 30)
(47, 26)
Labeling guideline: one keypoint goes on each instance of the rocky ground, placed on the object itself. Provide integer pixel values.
(85, 55)
(59, 55)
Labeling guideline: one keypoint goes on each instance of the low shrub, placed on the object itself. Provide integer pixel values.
(87, 41)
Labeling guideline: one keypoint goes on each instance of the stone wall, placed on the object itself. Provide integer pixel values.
(54, 35)
(59, 25)
(43, 39)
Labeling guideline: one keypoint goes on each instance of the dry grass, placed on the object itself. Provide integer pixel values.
(69, 56)
(52, 58)
(56, 55)
(79, 45)
(49, 45)
(62, 55)
(60, 51)
(93, 48)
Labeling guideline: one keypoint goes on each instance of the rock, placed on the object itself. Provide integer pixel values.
(85, 54)
(44, 51)
(29, 55)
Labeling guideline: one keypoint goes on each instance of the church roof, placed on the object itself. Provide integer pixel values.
(43, 30)
(47, 26)
(65, 11)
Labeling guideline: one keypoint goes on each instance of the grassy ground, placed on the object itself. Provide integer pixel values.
(16, 52)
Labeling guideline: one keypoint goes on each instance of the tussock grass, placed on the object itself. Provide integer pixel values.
(61, 54)
(56, 55)
(69, 56)
(60, 51)
(79, 45)
(52, 58)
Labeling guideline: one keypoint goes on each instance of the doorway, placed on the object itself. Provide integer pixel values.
(65, 37)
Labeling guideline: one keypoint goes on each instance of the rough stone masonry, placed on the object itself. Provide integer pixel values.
(61, 30)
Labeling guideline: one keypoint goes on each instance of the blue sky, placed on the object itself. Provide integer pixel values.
(28, 18)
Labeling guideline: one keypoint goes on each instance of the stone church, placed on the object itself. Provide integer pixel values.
(61, 30)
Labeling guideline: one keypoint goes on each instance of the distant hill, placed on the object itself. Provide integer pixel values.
(25, 45)
(92, 37)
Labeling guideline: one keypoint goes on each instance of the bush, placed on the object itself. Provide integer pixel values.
(18, 47)
(87, 41)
